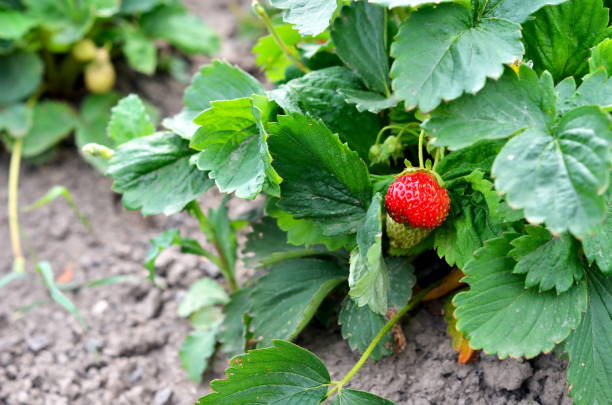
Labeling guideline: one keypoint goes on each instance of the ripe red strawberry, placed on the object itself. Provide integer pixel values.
(416, 199)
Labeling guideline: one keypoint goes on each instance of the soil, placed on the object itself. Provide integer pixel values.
(128, 353)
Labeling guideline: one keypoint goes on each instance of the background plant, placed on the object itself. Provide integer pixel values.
(507, 101)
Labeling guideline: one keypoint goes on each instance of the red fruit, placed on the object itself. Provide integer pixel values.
(418, 200)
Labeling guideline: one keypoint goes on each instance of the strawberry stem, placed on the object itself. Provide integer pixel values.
(421, 136)
(13, 207)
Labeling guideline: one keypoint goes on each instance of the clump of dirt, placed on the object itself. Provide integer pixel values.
(128, 354)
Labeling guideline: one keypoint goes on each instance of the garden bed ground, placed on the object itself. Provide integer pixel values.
(129, 353)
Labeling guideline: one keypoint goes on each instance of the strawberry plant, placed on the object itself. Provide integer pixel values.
(53, 50)
(478, 129)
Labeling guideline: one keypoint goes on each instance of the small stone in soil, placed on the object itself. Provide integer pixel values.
(37, 343)
(163, 397)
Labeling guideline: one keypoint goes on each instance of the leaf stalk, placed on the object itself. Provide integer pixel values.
(13, 207)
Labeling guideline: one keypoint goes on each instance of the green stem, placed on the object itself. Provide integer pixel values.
(13, 207)
(228, 272)
(381, 333)
(421, 162)
(289, 52)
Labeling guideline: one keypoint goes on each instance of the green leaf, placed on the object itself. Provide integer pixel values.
(270, 57)
(233, 141)
(232, 332)
(129, 120)
(500, 316)
(463, 162)
(549, 262)
(359, 327)
(267, 244)
(284, 373)
(66, 20)
(590, 346)
(310, 17)
(307, 232)
(285, 299)
(502, 108)
(316, 94)
(91, 128)
(20, 74)
(516, 10)
(15, 24)
(106, 8)
(16, 119)
(369, 278)
(138, 6)
(203, 293)
(558, 178)
(187, 32)
(217, 81)
(359, 34)
(323, 180)
(195, 351)
(401, 281)
(559, 38)
(407, 3)
(368, 101)
(46, 272)
(601, 56)
(353, 397)
(52, 121)
(596, 89)
(154, 174)
(442, 52)
(597, 246)
(140, 51)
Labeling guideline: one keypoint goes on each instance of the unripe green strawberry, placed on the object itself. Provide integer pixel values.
(403, 236)
(416, 199)
(100, 73)
(85, 50)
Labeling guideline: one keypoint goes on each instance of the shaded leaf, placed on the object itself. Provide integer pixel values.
(597, 247)
(590, 346)
(16, 120)
(316, 94)
(67, 21)
(368, 101)
(15, 24)
(359, 34)
(559, 38)
(232, 332)
(323, 180)
(140, 51)
(52, 121)
(359, 327)
(195, 351)
(353, 397)
(20, 74)
(203, 293)
(285, 299)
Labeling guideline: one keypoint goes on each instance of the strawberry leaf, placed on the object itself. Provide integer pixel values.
(197, 348)
(596, 89)
(368, 100)
(353, 397)
(360, 40)
(203, 293)
(407, 3)
(217, 81)
(557, 177)
(601, 56)
(233, 331)
(267, 244)
(129, 120)
(590, 346)
(306, 232)
(548, 262)
(154, 174)
(140, 51)
(285, 299)
(442, 52)
(316, 94)
(270, 56)
(233, 144)
(516, 10)
(360, 325)
(369, 277)
(559, 38)
(283, 373)
(310, 17)
(500, 316)
(401, 282)
(597, 246)
(323, 180)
